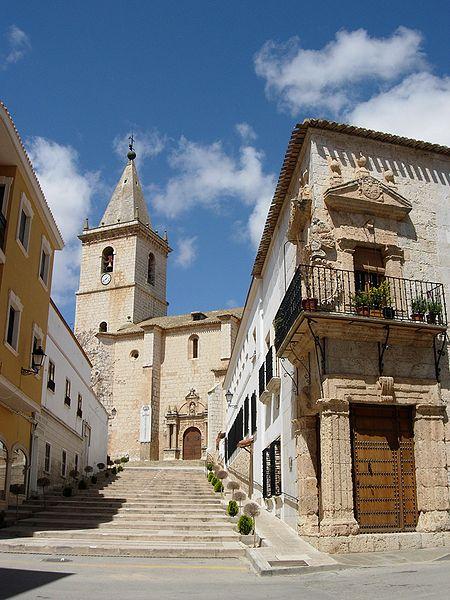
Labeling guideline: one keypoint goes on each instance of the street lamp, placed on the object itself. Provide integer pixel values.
(229, 398)
(37, 360)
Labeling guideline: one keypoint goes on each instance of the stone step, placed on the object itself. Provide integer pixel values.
(176, 549)
(148, 535)
(100, 508)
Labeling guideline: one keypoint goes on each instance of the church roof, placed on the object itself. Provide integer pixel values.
(172, 322)
(127, 202)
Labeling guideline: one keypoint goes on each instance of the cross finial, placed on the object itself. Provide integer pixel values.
(131, 153)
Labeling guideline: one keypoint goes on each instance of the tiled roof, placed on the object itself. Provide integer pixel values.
(290, 162)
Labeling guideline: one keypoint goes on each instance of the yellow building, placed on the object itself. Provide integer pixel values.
(28, 238)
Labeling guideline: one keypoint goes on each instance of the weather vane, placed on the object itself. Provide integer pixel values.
(131, 153)
(131, 139)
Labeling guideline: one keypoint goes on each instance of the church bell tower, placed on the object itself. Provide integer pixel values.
(123, 262)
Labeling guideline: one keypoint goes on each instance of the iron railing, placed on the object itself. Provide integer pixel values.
(261, 379)
(324, 289)
(2, 231)
(269, 365)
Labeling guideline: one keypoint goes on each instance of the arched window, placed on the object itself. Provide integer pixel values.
(108, 260)
(151, 269)
(3, 465)
(193, 346)
(18, 467)
(103, 327)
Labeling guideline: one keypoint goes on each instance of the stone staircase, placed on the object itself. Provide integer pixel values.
(147, 512)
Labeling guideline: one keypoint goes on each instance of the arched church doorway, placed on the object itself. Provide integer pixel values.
(192, 444)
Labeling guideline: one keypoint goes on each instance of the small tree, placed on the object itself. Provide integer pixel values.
(240, 496)
(18, 489)
(221, 476)
(233, 486)
(245, 524)
(252, 510)
(88, 469)
(43, 482)
(100, 466)
(232, 508)
(218, 487)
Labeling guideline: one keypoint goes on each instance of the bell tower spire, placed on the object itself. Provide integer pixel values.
(124, 261)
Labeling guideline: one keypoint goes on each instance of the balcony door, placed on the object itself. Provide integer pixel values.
(369, 268)
(383, 468)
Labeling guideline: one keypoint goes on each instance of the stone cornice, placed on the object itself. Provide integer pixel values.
(119, 230)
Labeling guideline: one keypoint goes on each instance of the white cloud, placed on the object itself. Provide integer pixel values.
(69, 194)
(147, 144)
(18, 45)
(418, 107)
(206, 175)
(186, 251)
(246, 132)
(326, 79)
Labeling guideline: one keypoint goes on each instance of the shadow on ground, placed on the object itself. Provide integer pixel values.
(18, 581)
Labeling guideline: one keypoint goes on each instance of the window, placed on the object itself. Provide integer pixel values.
(272, 470)
(77, 462)
(24, 224)
(108, 260)
(151, 269)
(44, 266)
(67, 395)
(63, 463)
(13, 322)
(5, 183)
(369, 268)
(235, 434)
(193, 346)
(18, 468)
(254, 414)
(103, 327)
(3, 465)
(51, 376)
(246, 415)
(47, 457)
(80, 406)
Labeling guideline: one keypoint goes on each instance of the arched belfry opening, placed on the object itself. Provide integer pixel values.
(108, 260)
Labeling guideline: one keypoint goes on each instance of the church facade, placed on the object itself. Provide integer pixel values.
(159, 377)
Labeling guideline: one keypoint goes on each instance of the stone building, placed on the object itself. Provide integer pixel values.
(339, 377)
(160, 377)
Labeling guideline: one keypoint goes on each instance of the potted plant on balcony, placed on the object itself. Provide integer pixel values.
(386, 300)
(361, 302)
(434, 312)
(419, 308)
(375, 302)
(309, 303)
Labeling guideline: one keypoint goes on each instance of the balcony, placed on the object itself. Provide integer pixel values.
(317, 291)
(269, 381)
(2, 231)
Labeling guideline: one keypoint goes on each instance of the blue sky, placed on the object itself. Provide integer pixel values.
(211, 91)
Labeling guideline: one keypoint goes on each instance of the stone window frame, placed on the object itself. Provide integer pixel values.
(7, 183)
(24, 207)
(15, 303)
(102, 260)
(151, 269)
(51, 375)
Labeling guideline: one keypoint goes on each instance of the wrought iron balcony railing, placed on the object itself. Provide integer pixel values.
(324, 289)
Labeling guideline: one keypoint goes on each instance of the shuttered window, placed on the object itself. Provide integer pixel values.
(246, 416)
(272, 470)
(235, 434)
(253, 411)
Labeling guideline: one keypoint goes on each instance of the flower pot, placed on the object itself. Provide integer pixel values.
(364, 311)
(417, 317)
(432, 319)
(388, 312)
(376, 313)
(310, 304)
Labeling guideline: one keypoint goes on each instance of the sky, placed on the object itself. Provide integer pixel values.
(211, 91)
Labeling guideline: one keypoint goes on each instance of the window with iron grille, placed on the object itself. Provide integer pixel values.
(67, 399)
(269, 365)
(253, 412)
(47, 458)
(63, 463)
(51, 376)
(235, 433)
(262, 380)
(246, 416)
(272, 470)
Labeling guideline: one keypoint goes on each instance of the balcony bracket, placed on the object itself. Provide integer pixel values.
(439, 351)
(286, 372)
(319, 346)
(382, 347)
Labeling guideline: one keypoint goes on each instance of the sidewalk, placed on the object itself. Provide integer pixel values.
(283, 551)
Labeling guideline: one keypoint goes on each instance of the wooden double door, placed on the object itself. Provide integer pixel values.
(192, 444)
(383, 468)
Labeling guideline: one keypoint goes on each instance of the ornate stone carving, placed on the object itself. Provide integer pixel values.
(300, 210)
(389, 178)
(386, 386)
(335, 168)
(322, 239)
(361, 169)
(371, 188)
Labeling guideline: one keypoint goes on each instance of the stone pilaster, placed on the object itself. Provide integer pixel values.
(336, 468)
(308, 493)
(431, 472)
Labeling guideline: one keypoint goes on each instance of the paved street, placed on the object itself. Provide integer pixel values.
(35, 577)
